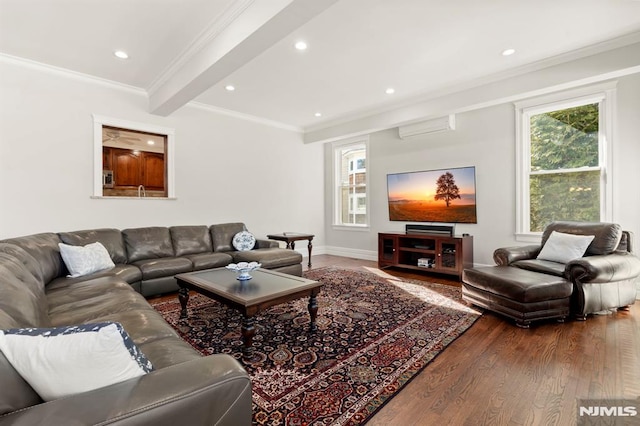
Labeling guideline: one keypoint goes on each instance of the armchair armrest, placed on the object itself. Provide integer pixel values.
(507, 255)
(204, 391)
(617, 266)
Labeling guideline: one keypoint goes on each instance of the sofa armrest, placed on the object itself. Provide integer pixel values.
(266, 244)
(507, 255)
(204, 391)
(617, 266)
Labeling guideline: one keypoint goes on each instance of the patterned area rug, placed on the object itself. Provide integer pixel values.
(375, 332)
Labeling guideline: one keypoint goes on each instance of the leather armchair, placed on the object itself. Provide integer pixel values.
(605, 278)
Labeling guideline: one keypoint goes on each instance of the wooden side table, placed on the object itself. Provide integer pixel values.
(291, 237)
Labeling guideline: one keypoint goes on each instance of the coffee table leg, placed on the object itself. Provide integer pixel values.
(183, 296)
(313, 311)
(248, 331)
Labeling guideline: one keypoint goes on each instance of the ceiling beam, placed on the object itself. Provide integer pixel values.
(260, 25)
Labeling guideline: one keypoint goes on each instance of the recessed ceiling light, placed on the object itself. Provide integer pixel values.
(229, 88)
(121, 54)
(150, 142)
(301, 45)
(508, 52)
(318, 114)
(390, 91)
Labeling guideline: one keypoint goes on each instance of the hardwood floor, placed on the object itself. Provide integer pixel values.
(499, 374)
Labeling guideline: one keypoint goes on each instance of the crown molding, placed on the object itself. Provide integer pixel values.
(246, 117)
(586, 70)
(213, 30)
(67, 73)
(594, 49)
(74, 75)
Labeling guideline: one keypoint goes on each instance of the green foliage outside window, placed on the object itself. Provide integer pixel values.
(564, 196)
(560, 140)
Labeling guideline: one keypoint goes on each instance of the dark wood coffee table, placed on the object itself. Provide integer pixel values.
(266, 288)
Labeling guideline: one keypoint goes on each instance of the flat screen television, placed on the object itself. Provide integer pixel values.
(445, 195)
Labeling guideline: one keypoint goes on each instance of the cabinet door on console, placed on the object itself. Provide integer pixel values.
(387, 250)
(448, 255)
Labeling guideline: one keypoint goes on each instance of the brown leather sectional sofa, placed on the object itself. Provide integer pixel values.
(184, 388)
(148, 258)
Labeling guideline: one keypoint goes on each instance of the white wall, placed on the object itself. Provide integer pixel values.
(484, 138)
(227, 169)
(626, 157)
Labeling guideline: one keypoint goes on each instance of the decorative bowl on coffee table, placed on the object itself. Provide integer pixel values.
(243, 269)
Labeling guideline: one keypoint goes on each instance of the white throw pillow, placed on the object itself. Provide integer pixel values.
(563, 248)
(85, 260)
(59, 362)
(244, 241)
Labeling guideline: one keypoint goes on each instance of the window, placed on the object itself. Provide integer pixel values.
(351, 179)
(133, 160)
(563, 159)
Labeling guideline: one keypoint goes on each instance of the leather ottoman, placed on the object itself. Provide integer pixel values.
(516, 293)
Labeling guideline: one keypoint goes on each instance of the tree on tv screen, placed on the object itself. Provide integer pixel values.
(447, 189)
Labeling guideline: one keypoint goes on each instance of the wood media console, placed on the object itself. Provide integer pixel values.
(425, 252)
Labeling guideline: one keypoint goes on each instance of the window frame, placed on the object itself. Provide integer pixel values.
(603, 94)
(337, 149)
(100, 121)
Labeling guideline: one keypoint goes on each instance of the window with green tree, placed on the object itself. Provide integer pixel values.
(563, 158)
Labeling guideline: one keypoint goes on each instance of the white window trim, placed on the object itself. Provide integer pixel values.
(99, 121)
(604, 93)
(336, 148)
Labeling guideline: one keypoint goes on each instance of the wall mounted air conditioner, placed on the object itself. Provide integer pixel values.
(428, 126)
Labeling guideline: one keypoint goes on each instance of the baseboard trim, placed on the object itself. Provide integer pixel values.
(350, 252)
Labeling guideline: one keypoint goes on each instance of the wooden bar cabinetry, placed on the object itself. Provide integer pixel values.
(133, 168)
(425, 252)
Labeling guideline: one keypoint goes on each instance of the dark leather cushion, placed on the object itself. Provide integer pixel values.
(22, 299)
(167, 351)
(84, 301)
(518, 284)
(222, 235)
(202, 261)
(128, 273)
(165, 267)
(111, 239)
(44, 248)
(269, 258)
(190, 240)
(542, 266)
(30, 262)
(15, 393)
(147, 243)
(109, 299)
(607, 235)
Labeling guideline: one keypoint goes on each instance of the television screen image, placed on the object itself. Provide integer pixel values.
(446, 195)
